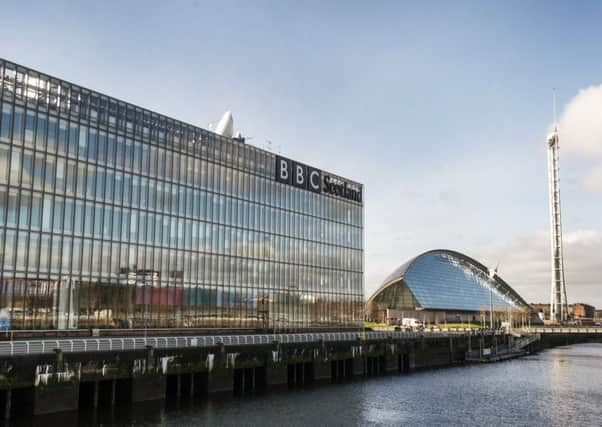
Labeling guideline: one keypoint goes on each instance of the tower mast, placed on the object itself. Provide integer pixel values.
(558, 301)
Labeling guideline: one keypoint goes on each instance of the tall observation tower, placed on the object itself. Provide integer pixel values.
(558, 302)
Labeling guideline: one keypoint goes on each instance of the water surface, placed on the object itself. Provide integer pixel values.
(558, 387)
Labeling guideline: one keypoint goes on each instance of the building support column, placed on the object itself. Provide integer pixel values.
(113, 392)
(8, 403)
(56, 397)
(322, 370)
(358, 366)
(277, 374)
(220, 380)
(95, 395)
(148, 387)
(412, 356)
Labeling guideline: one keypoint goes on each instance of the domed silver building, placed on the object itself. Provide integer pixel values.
(446, 286)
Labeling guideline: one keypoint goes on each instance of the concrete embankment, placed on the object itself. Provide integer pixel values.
(105, 373)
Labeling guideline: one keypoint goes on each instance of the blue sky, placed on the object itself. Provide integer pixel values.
(439, 108)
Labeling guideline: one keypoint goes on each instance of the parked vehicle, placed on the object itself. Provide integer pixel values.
(411, 322)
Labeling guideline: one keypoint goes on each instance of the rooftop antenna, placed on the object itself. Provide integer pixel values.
(558, 299)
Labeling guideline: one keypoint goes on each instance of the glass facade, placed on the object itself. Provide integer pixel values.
(114, 216)
(445, 280)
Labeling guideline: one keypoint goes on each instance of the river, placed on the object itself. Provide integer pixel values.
(557, 387)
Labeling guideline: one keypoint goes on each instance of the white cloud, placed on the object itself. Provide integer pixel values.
(580, 131)
(526, 265)
(592, 180)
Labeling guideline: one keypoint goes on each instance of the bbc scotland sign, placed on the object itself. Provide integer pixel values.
(303, 176)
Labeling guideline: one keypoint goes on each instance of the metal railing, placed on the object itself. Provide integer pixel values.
(565, 330)
(112, 344)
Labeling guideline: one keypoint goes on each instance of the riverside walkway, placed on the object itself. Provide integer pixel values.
(30, 347)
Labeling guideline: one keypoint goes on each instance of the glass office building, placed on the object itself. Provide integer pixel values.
(443, 285)
(115, 216)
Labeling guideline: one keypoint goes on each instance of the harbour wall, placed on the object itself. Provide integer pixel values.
(67, 381)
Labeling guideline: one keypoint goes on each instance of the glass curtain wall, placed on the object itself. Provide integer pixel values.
(115, 216)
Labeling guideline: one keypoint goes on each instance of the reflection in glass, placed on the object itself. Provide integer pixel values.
(153, 222)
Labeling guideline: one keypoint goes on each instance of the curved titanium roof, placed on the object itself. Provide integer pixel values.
(448, 280)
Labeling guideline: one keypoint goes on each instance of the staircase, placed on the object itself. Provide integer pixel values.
(524, 341)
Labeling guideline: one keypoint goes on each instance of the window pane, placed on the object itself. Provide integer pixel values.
(41, 131)
(71, 180)
(79, 217)
(68, 226)
(15, 166)
(9, 249)
(44, 252)
(24, 204)
(30, 121)
(58, 214)
(61, 175)
(38, 172)
(62, 147)
(102, 147)
(52, 134)
(36, 211)
(66, 258)
(83, 142)
(3, 209)
(50, 173)
(47, 213)
(4, 155)
(27, 177)
(22, 242)
(91, 180)
(5, 123)
(18, 125)
(34, 252)
(92, 145)
(73, 140)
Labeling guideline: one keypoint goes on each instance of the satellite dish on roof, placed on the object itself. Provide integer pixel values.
(225, 126)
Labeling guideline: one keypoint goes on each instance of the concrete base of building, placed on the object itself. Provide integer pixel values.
(221, 380)
(322, 371)
(56, 397)
(276, 375)
(148, 387)
(392, 363)
(359, 366)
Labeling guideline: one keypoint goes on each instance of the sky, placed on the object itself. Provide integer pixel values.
(441, 109)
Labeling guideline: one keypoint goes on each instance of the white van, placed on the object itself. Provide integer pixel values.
(411, 322)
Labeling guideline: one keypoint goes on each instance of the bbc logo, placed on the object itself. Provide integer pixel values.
(298, 175)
